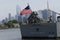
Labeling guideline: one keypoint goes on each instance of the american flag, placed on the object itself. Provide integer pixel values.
(27, 10)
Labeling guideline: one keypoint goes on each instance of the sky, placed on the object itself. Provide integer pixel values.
(9, 6)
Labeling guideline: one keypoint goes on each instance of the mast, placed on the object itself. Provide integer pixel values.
(48, 11)
(47, 5)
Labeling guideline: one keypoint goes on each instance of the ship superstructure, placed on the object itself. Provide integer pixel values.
(37, 29)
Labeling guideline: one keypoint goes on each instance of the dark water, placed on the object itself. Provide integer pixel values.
(40, 39)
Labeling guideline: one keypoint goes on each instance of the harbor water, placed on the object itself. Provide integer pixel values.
(15, 34)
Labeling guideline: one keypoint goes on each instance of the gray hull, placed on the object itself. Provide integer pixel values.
(39, 30)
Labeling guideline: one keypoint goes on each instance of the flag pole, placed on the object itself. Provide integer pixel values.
(26, 14)
(21, 16)
(22, 19)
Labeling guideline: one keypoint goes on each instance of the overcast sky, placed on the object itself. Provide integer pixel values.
(9, 6)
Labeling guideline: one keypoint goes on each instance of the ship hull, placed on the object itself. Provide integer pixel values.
(39, 30)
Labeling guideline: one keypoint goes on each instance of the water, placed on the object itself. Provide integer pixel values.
(10, 34)
(15, 34)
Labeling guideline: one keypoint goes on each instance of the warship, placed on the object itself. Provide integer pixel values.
(36, 28)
